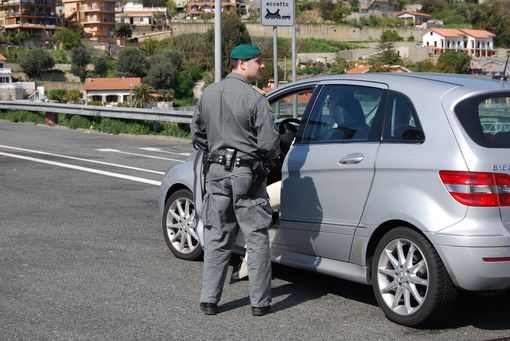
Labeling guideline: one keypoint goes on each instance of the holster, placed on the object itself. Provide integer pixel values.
(259, 175)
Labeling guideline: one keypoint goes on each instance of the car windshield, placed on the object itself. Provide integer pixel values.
(486, 119)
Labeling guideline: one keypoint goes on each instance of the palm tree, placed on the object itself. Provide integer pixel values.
(141, 96)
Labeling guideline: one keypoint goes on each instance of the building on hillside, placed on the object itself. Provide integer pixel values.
(475, 43)
(491, 67)
(37, 18)
(135, 14)
(5, 73)
(109, 90)
(96, 16)
(10, 90)
(414, 17)
(379, 5)
(197, 7)
(361, 68)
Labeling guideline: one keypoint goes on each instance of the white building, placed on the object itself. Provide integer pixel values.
(134, 13)
(5, 73)
(109, 90)
(10, 90)
(475, 43)
(414, 17)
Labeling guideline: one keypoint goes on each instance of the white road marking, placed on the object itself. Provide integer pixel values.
(110, 150)
(85, 160)
(84, 169)
(159, 150)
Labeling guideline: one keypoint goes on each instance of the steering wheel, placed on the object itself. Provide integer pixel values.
(289, 124)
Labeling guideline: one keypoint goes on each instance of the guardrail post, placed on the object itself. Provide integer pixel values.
(51, 118)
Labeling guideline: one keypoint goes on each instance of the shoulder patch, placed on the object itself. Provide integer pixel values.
(259, 90)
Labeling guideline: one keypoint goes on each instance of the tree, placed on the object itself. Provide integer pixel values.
(36, 61)
(339, 13)
(124, 31)
(150, 46)
(493, 16)
(67, 38)
(326, 7)
(390, 35)
(453, 62)
(386, 56)
(164, 70)
(80, 58)
(186, 80)
(141, 96)
(171, 8)
(131, 62)
(234, 32)
(100, 66)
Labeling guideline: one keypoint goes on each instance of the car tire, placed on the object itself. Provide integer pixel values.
(179, 226)
(410, 282)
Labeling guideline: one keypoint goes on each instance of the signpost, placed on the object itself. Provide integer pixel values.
(279, 13)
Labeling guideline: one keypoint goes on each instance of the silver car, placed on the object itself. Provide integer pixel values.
(399, 181)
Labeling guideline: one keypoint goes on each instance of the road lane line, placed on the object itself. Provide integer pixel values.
(84, 169)
(159, 150)
(111, 150)
(85, 160)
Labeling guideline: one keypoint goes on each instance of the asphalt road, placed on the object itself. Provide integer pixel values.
(82, 257)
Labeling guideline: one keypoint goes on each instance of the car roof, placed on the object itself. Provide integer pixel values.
(469, 83)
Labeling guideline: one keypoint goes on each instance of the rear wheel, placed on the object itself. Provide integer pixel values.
(179, 226)
(409, 279)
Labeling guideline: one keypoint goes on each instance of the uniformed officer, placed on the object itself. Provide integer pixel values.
(234, 123)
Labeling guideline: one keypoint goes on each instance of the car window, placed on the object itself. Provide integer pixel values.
(486, 119)
(343, 113)
(291, 105)
(402, 123)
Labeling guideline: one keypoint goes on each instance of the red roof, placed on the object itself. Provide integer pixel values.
(478, 33)
(2, 58)
(358, 69)
(119, 83)
(448, 32)
(416, 14)
(452, 32)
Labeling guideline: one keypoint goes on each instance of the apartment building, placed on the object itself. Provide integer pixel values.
(34, 17)
(476, 43)
(196, 7)
(96, 16)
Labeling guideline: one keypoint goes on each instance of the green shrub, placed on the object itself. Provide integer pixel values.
(73, 96)
(99, 103)
(63, 119)
(23, 116)
(111, 126)
(57, 94)
(77, 121)
(173, 129)
(139, 128)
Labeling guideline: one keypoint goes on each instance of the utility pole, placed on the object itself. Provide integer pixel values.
(217, 40)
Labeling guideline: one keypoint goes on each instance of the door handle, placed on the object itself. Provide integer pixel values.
(351, 159)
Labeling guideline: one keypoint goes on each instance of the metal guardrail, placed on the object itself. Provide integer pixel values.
(179, 115)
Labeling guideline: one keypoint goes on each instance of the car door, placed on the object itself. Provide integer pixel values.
(327, 174)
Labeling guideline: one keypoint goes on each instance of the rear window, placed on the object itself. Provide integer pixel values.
(486, 119)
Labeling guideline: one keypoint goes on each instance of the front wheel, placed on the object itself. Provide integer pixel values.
(179, 226)
(410, 282)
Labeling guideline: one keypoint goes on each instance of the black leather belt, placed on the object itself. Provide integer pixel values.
(221, 160)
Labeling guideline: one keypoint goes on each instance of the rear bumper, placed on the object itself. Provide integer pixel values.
(466, 265)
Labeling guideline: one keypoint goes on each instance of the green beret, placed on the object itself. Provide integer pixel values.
(245, 52)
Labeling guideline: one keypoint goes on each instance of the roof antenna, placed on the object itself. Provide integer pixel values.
(505, 78)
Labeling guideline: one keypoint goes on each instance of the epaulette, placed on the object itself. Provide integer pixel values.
(259, 90)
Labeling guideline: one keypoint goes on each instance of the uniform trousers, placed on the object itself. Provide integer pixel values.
(227, 208)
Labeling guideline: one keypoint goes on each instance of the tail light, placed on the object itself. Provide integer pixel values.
(478, 189)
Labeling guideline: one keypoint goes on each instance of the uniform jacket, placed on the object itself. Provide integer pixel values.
(232, 114)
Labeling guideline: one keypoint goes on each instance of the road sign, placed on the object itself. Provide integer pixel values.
(277, 12)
